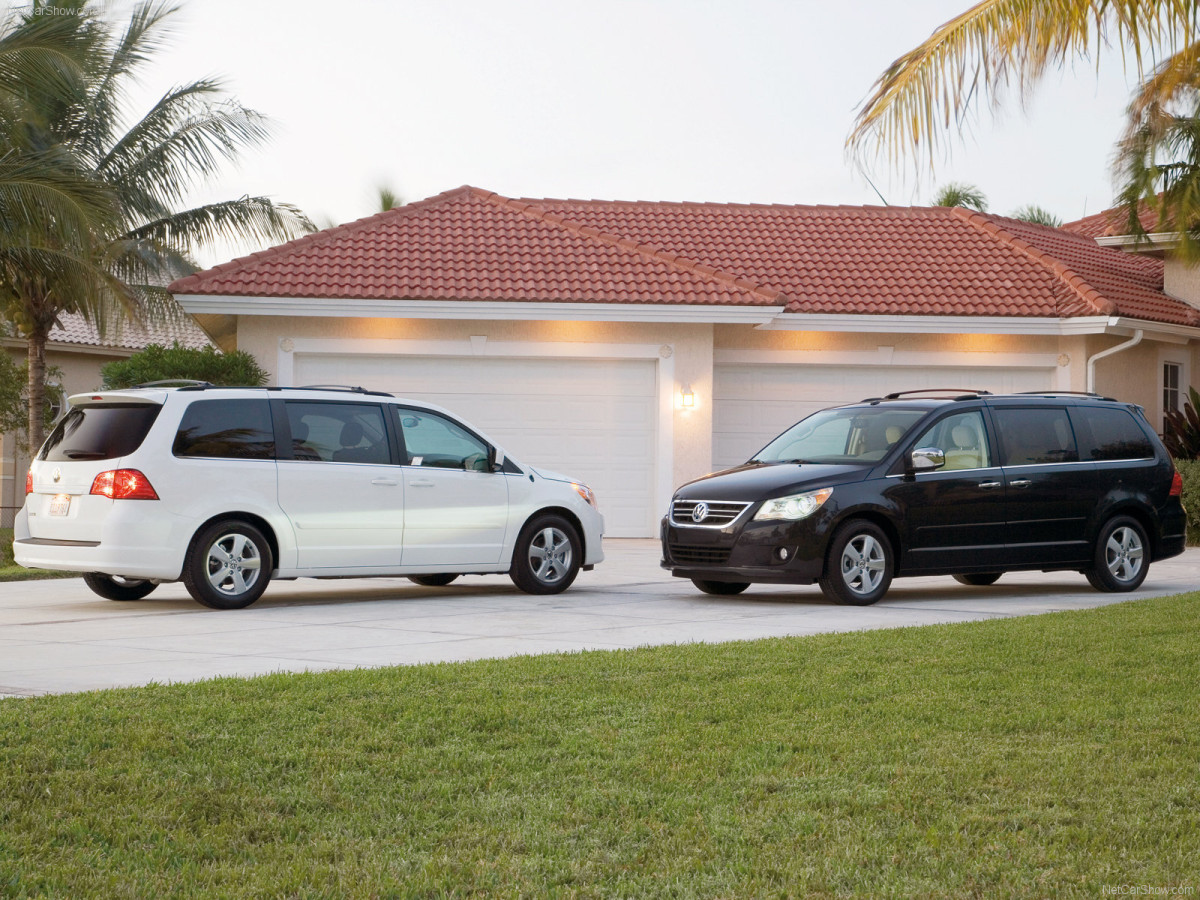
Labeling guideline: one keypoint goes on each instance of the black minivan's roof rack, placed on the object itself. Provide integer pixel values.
(959, 394)
(1064, 394)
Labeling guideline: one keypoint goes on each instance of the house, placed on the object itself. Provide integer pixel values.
(77, 350)
(641, 344)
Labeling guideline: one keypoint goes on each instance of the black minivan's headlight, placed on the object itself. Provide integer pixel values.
(794, 506)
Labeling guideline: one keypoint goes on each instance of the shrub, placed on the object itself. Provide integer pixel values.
(1182, 432)
(1190, 470)
(158, 363)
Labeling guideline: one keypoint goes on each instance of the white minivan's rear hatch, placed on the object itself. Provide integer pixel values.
(69, 498)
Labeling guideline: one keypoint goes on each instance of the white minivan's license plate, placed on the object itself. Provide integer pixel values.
(60, 504)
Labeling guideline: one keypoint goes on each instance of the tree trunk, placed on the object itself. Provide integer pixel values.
(36, 344)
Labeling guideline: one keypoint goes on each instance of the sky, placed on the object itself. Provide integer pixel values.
(708, 100)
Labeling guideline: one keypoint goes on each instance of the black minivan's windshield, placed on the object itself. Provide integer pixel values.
(841, 436)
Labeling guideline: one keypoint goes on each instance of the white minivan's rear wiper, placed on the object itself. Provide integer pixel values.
(85, 454)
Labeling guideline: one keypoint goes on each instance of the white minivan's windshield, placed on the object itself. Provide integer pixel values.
(841, 436)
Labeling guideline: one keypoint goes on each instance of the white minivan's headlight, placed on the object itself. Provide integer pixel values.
(585, 492)
(795, 506)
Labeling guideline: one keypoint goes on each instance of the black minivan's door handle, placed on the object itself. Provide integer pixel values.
(989, 485)
(1022, 483)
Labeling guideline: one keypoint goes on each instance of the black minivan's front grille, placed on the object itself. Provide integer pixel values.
(690, 553)
(706, 513)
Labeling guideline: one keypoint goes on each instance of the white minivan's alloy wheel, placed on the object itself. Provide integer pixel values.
(547, 556)
(228, 565)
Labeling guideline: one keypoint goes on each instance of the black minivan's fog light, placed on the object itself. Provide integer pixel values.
(783, 553)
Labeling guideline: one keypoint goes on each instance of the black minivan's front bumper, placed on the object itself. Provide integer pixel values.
(756, 552)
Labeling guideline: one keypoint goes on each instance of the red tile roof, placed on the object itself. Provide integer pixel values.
(1111, 222)
(469, 244)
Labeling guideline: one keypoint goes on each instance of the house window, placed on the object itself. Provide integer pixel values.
(1172, 378)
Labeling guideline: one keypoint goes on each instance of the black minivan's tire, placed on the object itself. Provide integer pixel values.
(720, 588)
(433, 580)
(547, 556)
(228, 565)
(860, 564)
(978, 579)
(1122, 556)
(114, 587)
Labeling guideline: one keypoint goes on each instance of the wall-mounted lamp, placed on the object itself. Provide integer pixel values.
(687, 397)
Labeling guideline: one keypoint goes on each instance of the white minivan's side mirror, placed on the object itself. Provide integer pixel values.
(495, 459)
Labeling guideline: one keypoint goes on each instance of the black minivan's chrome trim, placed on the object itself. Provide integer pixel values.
(706, 513)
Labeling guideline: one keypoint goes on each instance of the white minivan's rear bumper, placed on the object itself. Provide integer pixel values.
(137, 541)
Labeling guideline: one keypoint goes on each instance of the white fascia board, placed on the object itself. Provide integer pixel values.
(502, 310)
(896, 324)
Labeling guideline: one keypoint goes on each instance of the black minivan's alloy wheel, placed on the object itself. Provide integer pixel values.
(1122, 556)
(228, 565)
(547, 556)
(859, 567)
(114, 587)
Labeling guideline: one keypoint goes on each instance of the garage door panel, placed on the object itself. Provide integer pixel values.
(754, 403)
(591, 419)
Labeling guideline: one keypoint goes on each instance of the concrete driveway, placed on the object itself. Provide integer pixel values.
(57, 636)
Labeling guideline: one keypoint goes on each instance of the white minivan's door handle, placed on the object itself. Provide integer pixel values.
(421, 482)
(389, 482)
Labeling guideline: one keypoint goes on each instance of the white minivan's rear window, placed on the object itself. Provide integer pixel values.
(100, 432)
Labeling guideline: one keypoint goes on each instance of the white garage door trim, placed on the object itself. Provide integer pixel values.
(479, 346)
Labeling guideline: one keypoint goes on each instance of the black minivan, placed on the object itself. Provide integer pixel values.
(962, 483)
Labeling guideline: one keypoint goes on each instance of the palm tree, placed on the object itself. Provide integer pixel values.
(147, 169)
(957, 193)
(1037, 215)
(997, 43)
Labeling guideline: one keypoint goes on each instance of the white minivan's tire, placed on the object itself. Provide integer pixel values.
(114, 587)
(228, 565)
(547, 556)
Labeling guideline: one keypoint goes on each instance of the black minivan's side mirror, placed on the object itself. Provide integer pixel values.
(925, 459)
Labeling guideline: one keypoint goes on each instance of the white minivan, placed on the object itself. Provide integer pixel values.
(228, 488)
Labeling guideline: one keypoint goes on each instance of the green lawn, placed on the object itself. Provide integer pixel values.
(10, 571)
(1055, 755)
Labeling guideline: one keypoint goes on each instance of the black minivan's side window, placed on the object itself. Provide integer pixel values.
(1032, 436)
(100, 432)
(229, 429)
(1107, 434)
(961, 438)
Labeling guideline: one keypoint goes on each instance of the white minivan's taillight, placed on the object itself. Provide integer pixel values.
(123, 484)
(29, 482)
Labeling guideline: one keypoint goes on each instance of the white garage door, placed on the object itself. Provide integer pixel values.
(752, 404)
(592, 419)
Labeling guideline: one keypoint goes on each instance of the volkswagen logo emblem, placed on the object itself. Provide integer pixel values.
(57, 476)
(700, 512)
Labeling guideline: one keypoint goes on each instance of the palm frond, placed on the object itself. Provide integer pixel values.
(247, 220)
(978, 55)
(40, 53)
(44, 197)
(1158, 167)
(145, 34)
